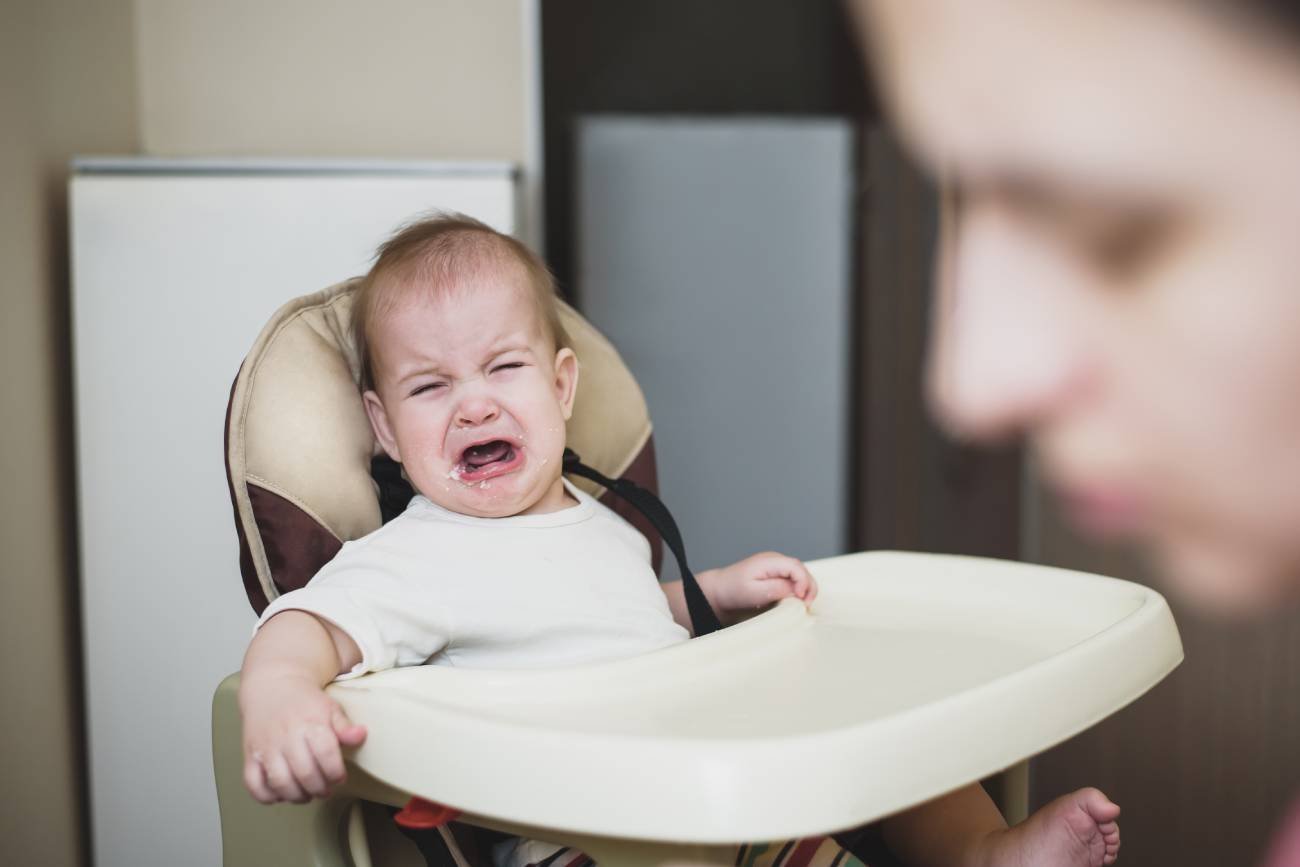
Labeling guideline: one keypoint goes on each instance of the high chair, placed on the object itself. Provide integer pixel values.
(911, 676)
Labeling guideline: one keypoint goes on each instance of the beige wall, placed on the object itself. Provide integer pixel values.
(429, 79)
(67, 85)
(392, 78)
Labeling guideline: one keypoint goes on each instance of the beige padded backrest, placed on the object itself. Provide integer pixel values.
(298, 445)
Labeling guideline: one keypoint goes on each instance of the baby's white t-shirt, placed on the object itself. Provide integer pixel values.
(529, 591)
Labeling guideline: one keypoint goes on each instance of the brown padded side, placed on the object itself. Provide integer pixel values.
(247, 569)
(297, 546)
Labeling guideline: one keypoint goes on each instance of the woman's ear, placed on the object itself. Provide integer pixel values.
(566, 380)
(379, 424)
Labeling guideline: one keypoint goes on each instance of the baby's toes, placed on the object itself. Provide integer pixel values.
(1111, 836)
(1094, 802)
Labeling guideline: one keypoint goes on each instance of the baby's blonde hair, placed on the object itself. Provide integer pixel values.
(434, 253)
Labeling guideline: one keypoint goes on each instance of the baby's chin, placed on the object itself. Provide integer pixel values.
(496, 512)
(501, 497)
(481, 504)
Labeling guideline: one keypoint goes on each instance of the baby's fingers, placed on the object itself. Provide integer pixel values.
(329, 758)
(281, 781)
(306, 770)
(805, 585)
(349, 733)
(802, 583)
(255, 779)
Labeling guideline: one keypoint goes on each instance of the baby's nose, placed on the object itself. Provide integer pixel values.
(475, 411)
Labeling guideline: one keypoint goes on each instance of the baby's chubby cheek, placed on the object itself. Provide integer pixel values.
(547, 445)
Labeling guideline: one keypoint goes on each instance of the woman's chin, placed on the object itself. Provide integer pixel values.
(1229, 582)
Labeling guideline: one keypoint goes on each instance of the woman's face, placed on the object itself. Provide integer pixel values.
(1122, 278)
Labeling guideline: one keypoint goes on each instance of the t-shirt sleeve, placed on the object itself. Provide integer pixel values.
(374, 596)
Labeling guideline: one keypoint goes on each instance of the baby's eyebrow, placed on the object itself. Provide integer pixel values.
(508, 345)
(422, 370)
(506, 350)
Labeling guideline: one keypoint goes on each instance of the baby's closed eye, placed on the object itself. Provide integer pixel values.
(426, 387)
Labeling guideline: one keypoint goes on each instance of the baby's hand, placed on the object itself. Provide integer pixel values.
(292, 735)
(757, 582)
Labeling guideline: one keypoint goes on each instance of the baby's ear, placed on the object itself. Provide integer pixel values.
(566, 380)
(379, 424)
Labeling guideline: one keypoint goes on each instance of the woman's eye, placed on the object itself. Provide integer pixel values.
(1123, 246)
(1125, 249)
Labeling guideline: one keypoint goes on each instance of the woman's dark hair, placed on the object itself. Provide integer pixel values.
(1287, 10)
(1265, 13)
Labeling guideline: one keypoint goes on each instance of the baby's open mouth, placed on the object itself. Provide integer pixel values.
(485, 460)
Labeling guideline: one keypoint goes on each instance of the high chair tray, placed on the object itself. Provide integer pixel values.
(914, 674)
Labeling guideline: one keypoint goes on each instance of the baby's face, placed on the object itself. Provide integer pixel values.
(471, 397)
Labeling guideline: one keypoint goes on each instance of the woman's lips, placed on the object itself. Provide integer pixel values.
(1104, 512)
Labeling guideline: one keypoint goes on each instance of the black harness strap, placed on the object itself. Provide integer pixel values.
(703, 619)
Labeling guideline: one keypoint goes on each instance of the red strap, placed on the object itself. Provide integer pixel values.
(419, 813)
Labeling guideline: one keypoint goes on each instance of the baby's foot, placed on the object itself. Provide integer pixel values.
(1075, 830)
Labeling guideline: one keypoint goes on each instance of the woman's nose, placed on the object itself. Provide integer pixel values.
(1007, 352)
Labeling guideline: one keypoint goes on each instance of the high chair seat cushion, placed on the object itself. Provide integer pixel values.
(299, 447)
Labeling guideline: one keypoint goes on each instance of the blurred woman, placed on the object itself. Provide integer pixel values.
(1122, 277)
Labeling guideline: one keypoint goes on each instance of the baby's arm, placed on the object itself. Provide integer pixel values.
(292, 729)
(743, 588)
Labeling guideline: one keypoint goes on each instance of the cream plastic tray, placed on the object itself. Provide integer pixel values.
(913, 675)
